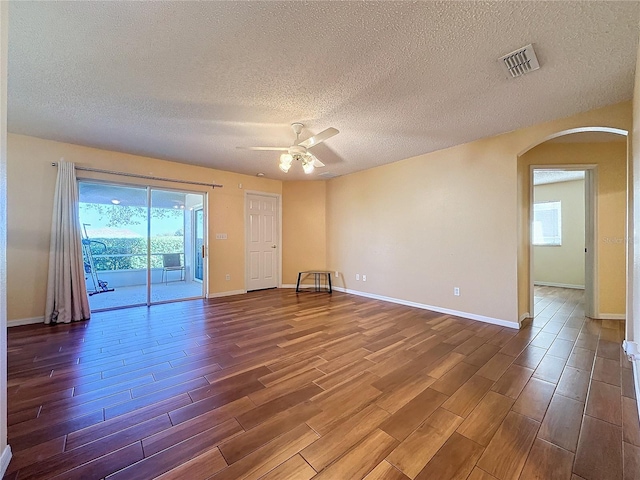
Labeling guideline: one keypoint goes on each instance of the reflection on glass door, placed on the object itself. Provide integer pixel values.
(141, 245)
(173, 231)
(198, 259)
(114, 244)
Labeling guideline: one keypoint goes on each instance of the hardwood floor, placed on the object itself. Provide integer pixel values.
(279, 385)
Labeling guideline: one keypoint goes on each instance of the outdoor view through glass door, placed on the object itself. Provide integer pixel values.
(141, 245)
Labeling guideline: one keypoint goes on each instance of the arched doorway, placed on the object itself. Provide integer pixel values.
(569, 150)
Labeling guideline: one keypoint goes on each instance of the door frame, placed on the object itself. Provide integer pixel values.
(592, 303)
(278, 198)
(149, 187)
(194, 223)
(205, 241)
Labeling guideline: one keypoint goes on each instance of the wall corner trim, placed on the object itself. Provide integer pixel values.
(226, 294)
(632, 349)
(4, 460)
(523, 317)
(447, 311)
(24, 321)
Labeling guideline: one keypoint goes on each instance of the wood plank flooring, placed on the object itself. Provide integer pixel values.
(279, 385)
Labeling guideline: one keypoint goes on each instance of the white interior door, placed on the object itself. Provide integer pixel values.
(262, 241)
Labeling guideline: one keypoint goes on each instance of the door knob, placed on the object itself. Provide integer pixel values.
(273, 246)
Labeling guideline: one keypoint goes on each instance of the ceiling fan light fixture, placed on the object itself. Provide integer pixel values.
(299, 150)
(286, 159)
(307, 165)
(284, 167)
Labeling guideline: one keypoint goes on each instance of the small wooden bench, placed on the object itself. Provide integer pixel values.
(317, 274)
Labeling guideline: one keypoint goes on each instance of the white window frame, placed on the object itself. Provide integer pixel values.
(537, 238)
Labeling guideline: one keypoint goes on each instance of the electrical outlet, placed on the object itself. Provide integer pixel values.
(456, 291)
(227, 277)
(357, 276)
(337, 274)
(364, 278)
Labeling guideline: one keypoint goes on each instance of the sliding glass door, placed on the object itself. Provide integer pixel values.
(141, 245)
(173, 267)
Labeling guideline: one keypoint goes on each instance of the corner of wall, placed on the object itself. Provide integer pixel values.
(5, 459)
(304, 227)
(633, 353)
(4, 40)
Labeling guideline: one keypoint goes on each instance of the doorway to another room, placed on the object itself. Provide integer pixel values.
(142, 245)
(561, 253)
(601, 153)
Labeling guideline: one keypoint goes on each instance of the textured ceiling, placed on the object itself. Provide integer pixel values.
(190, 81)
(542, 177)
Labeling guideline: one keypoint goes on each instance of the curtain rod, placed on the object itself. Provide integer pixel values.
(147, 177)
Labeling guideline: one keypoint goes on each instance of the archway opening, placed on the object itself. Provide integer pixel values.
(602, 153)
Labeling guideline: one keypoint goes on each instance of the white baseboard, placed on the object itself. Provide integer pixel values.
(226, 294)
(288, 285)
(4, 460)
(611, 316)
(633, 352)
(24, 321)
(561, 285)
(447, 311)
(636, 381)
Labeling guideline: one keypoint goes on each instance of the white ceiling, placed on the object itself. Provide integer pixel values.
(190, 81)
(542, 177)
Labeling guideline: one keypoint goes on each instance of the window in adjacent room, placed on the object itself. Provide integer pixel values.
(547, 224)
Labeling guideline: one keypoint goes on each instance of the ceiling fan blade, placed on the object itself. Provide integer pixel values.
(276, 149)
(317, 163)
(319, 138)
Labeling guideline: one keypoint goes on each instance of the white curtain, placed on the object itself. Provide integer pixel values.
(67, 299)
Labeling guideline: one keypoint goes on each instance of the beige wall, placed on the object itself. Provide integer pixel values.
(564, 264)
(5, 452)
(611, 161)
(422, 226)
(30, 192)
(416, 228)
(304, 234)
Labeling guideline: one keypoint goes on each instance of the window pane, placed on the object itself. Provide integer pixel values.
(547, 224)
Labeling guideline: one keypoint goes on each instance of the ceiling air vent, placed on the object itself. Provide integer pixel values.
(327, 175)
(521, 61)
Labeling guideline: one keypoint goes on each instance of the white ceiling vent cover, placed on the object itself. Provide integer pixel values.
(521, 61)
(327, 175)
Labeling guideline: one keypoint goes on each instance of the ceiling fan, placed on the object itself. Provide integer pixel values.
(300, 150)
